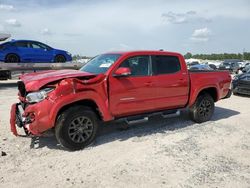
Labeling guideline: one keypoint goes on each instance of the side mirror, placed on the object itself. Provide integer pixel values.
(122, 71)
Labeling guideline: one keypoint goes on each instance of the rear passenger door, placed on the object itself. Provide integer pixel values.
(172, 84)
(23, 51)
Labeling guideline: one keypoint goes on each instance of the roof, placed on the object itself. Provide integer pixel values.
(150, 52)
(22, 40)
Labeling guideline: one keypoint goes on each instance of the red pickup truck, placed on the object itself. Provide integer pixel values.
(129, 86)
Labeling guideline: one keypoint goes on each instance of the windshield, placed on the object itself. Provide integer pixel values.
(226, 64)
(100, 63)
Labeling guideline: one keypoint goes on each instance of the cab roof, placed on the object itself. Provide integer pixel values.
(148, 52)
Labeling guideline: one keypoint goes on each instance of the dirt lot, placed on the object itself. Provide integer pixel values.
(160, 153)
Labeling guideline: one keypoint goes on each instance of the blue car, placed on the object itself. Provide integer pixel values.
(31, 51)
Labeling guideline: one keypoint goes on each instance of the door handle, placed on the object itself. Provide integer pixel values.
(148, 84)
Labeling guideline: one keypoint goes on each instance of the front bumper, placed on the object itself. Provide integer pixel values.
(240, 90)
(13, 119)
(241, 87)
(34, 119)
(17, 119)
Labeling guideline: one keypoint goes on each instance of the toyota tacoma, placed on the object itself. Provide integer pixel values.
(127, 86)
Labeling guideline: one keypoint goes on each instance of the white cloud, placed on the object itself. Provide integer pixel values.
(13, 22)
(46, 31)
(201, 35)
(6, 7)
(180, 18)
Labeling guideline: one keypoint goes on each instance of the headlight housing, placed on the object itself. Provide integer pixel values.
(68, 53)
(35, 97)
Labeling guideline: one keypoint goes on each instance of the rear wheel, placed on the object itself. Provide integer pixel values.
(203, 108)
(228, 94)
(60, 59)
(76, 127)
(12, 58)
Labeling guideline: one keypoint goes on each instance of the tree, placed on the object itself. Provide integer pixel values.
(188, 55)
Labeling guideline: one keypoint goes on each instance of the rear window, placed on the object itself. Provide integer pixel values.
(165, 64)
(21, 44)
(2, 46)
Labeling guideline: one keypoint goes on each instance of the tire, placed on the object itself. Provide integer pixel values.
(71, 131)
(235, 93)
(12, 58)
(60, 59)
(203, 108)
(229, 94)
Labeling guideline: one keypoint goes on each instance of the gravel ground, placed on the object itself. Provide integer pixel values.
(160, 153)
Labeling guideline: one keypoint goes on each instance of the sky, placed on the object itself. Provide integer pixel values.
(92, 27)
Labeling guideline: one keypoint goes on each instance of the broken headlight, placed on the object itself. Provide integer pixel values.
(38, 96)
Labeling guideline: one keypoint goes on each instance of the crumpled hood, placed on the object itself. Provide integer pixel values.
(34, 81)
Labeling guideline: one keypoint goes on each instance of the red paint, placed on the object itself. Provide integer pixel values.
(117, 96)
(13, 120)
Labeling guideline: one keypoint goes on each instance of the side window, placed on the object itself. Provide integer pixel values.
(21, 44)
(139, 65)
(35, 45)
(43, 46)
(165, 64)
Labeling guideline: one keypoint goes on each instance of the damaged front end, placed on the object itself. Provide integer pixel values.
(17, 115)
(17, 119)
(37, 110)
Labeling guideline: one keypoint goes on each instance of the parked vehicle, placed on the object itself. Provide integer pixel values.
(200, 67)
(233, 67)
(212, 66)
(31, 51)
(246, 68)
(192, 63)
(123, 86)
(241, 83)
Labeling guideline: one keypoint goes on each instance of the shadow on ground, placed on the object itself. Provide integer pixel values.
(113, 131)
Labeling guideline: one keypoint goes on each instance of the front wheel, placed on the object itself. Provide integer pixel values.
(203, 108)
(76, 127)
(60, 59)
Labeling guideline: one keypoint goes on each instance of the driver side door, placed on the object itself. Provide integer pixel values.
(40, 52)
(132, 94)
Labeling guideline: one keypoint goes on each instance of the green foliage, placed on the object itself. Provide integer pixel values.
(75, 57)
(188, 55)
(244, 56)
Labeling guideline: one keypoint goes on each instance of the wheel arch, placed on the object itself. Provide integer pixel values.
(85, 102)
(59, 54)
(212, 91)
(12, 53)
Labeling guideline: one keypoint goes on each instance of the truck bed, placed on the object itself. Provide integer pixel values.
(200, 79)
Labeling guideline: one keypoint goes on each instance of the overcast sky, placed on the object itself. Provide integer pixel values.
(92, 27)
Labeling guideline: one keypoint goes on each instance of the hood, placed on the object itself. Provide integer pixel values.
(34, 81)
